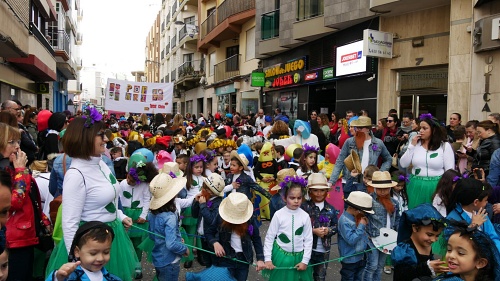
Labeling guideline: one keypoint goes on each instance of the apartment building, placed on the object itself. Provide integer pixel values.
(152, 62)
(438, 64)
(37, 40)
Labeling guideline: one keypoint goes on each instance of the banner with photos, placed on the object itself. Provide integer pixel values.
(139, 97)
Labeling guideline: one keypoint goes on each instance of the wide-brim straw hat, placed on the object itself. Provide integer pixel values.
(382, 180)
(236, 208)
(362, 121)
(215, 183)
(352, 161)
(242, 158)
(172, 167)
(164, 188)
(280, 177)
(360, 200)
(317, 181)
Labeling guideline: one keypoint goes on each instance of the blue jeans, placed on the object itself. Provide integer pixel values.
(239, 270)
(319, 271)
(168, 272)
(375, 262)
(352, 271)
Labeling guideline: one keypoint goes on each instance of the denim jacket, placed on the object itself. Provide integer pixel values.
(352, 239)
(247, 186)
(170, 246)
(327, 212)
(209, 214)
(79, 275)
(494, 175)
(376, 149)
(216, 233)
(379, 219)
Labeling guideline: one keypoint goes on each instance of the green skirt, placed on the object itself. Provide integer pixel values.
(134, 214)
(188, 219)
(420, 190)
(282, 258)
(123, 259)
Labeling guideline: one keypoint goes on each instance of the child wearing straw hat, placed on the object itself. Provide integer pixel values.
(324, 223)
(352, 236)
(289, 239)
(233, 234)
(386, 215)
(164, 228)
(205, 208)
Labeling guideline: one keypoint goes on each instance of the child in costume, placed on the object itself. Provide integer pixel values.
(386, 215)
(308, 164)
(289, 238)
(163, 226)
(89, 253)
(225, 164)
(412, 258)
(296, 155)
(279, 152)
(265, 171)
(233, 233)
(205, 209)
(471, 255)
(335, 195)
(352, 235)
(324, 222)
(179, 146)
(211, 161)
(135, 198)
(182, 160)
(119, 162)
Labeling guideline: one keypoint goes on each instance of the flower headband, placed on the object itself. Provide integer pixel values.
(403, 178)
(288, 181)
(310, 148)
(197, 158)
(211, 155)
(138, 175)
(457, 178)
(430, 117)
(91, 115)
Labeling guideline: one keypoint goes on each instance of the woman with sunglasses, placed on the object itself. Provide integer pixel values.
(91, 193)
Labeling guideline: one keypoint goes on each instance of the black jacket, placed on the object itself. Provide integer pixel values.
(482, 154)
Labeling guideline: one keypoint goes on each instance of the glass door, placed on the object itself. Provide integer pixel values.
(424, 103)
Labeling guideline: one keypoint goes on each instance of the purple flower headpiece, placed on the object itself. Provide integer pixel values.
(403, 178)
(197, 158)
(310, 149)
(211, 155)
(289, 180)
(91, 115)
(429, 117)
(457, 178)
(137, 175)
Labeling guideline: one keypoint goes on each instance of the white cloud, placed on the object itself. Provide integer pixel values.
(114, 32)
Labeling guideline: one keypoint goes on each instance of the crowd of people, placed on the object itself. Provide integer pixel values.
(87, 196)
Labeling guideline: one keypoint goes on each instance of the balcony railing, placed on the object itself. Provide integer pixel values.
(209, 24)
(173, 42)
(195, 67)
(227, 68)
(270, 25)
(168, 19)
(309, 8)
(167, 49)
(172, 74)
(232, 7)
(163, 54)
(162, 27)
(59, 40)
(167, 78)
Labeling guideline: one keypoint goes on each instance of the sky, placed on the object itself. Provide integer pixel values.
(114, 32)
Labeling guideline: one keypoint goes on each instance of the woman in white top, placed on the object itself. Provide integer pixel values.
(430, 156)
(90, 193)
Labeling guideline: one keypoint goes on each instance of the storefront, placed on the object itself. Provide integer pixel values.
(226, 98)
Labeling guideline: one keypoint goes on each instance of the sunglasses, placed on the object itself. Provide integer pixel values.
(390, 121)
(101, 134)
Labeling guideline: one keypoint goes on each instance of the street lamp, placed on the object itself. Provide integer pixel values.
(152, 61)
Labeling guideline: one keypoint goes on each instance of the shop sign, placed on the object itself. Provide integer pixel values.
(350, 59)
(283, 68)
(224, 90)
(311, 76)
(284, 80)
(257, 79)
(328, 73)
(487, 33)
(377, 43)
(42, 88)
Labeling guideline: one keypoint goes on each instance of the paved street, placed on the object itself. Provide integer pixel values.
(333, 268)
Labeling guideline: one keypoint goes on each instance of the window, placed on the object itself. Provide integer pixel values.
(250, 46)
(232, 58)
(211, 64)
(309, 8)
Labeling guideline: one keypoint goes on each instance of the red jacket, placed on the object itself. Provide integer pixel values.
(21, 230)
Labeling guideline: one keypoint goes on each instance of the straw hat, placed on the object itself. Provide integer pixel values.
(317, 181)
(360, 200)
(215, 183)
(382, 180)
(172, 167)
(242, 158)
(352, 161)
(236, 208)
(362, 121)
(280, 177)
(164, 188)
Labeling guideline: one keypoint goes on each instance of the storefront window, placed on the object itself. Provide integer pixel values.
(288, 103)
(249, 106)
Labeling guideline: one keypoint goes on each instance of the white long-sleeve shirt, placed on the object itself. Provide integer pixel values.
(286, 222)
(86, 195)
(312, 140)
(131, 194)
(428, 163)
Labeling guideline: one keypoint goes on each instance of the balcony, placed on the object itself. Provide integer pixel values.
(189, 30)
(225, 22)
(173, 74)
(79, 38)
(227, 68)
(167, 78)
(398, 7)
(167, 49)
(60, 42)
(270, 25)
(173, 41)
(162, 54)
(309, 9)
(189, 74)
(174, 7)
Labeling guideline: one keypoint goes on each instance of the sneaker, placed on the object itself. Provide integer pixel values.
(138, 274)
(387, 270)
